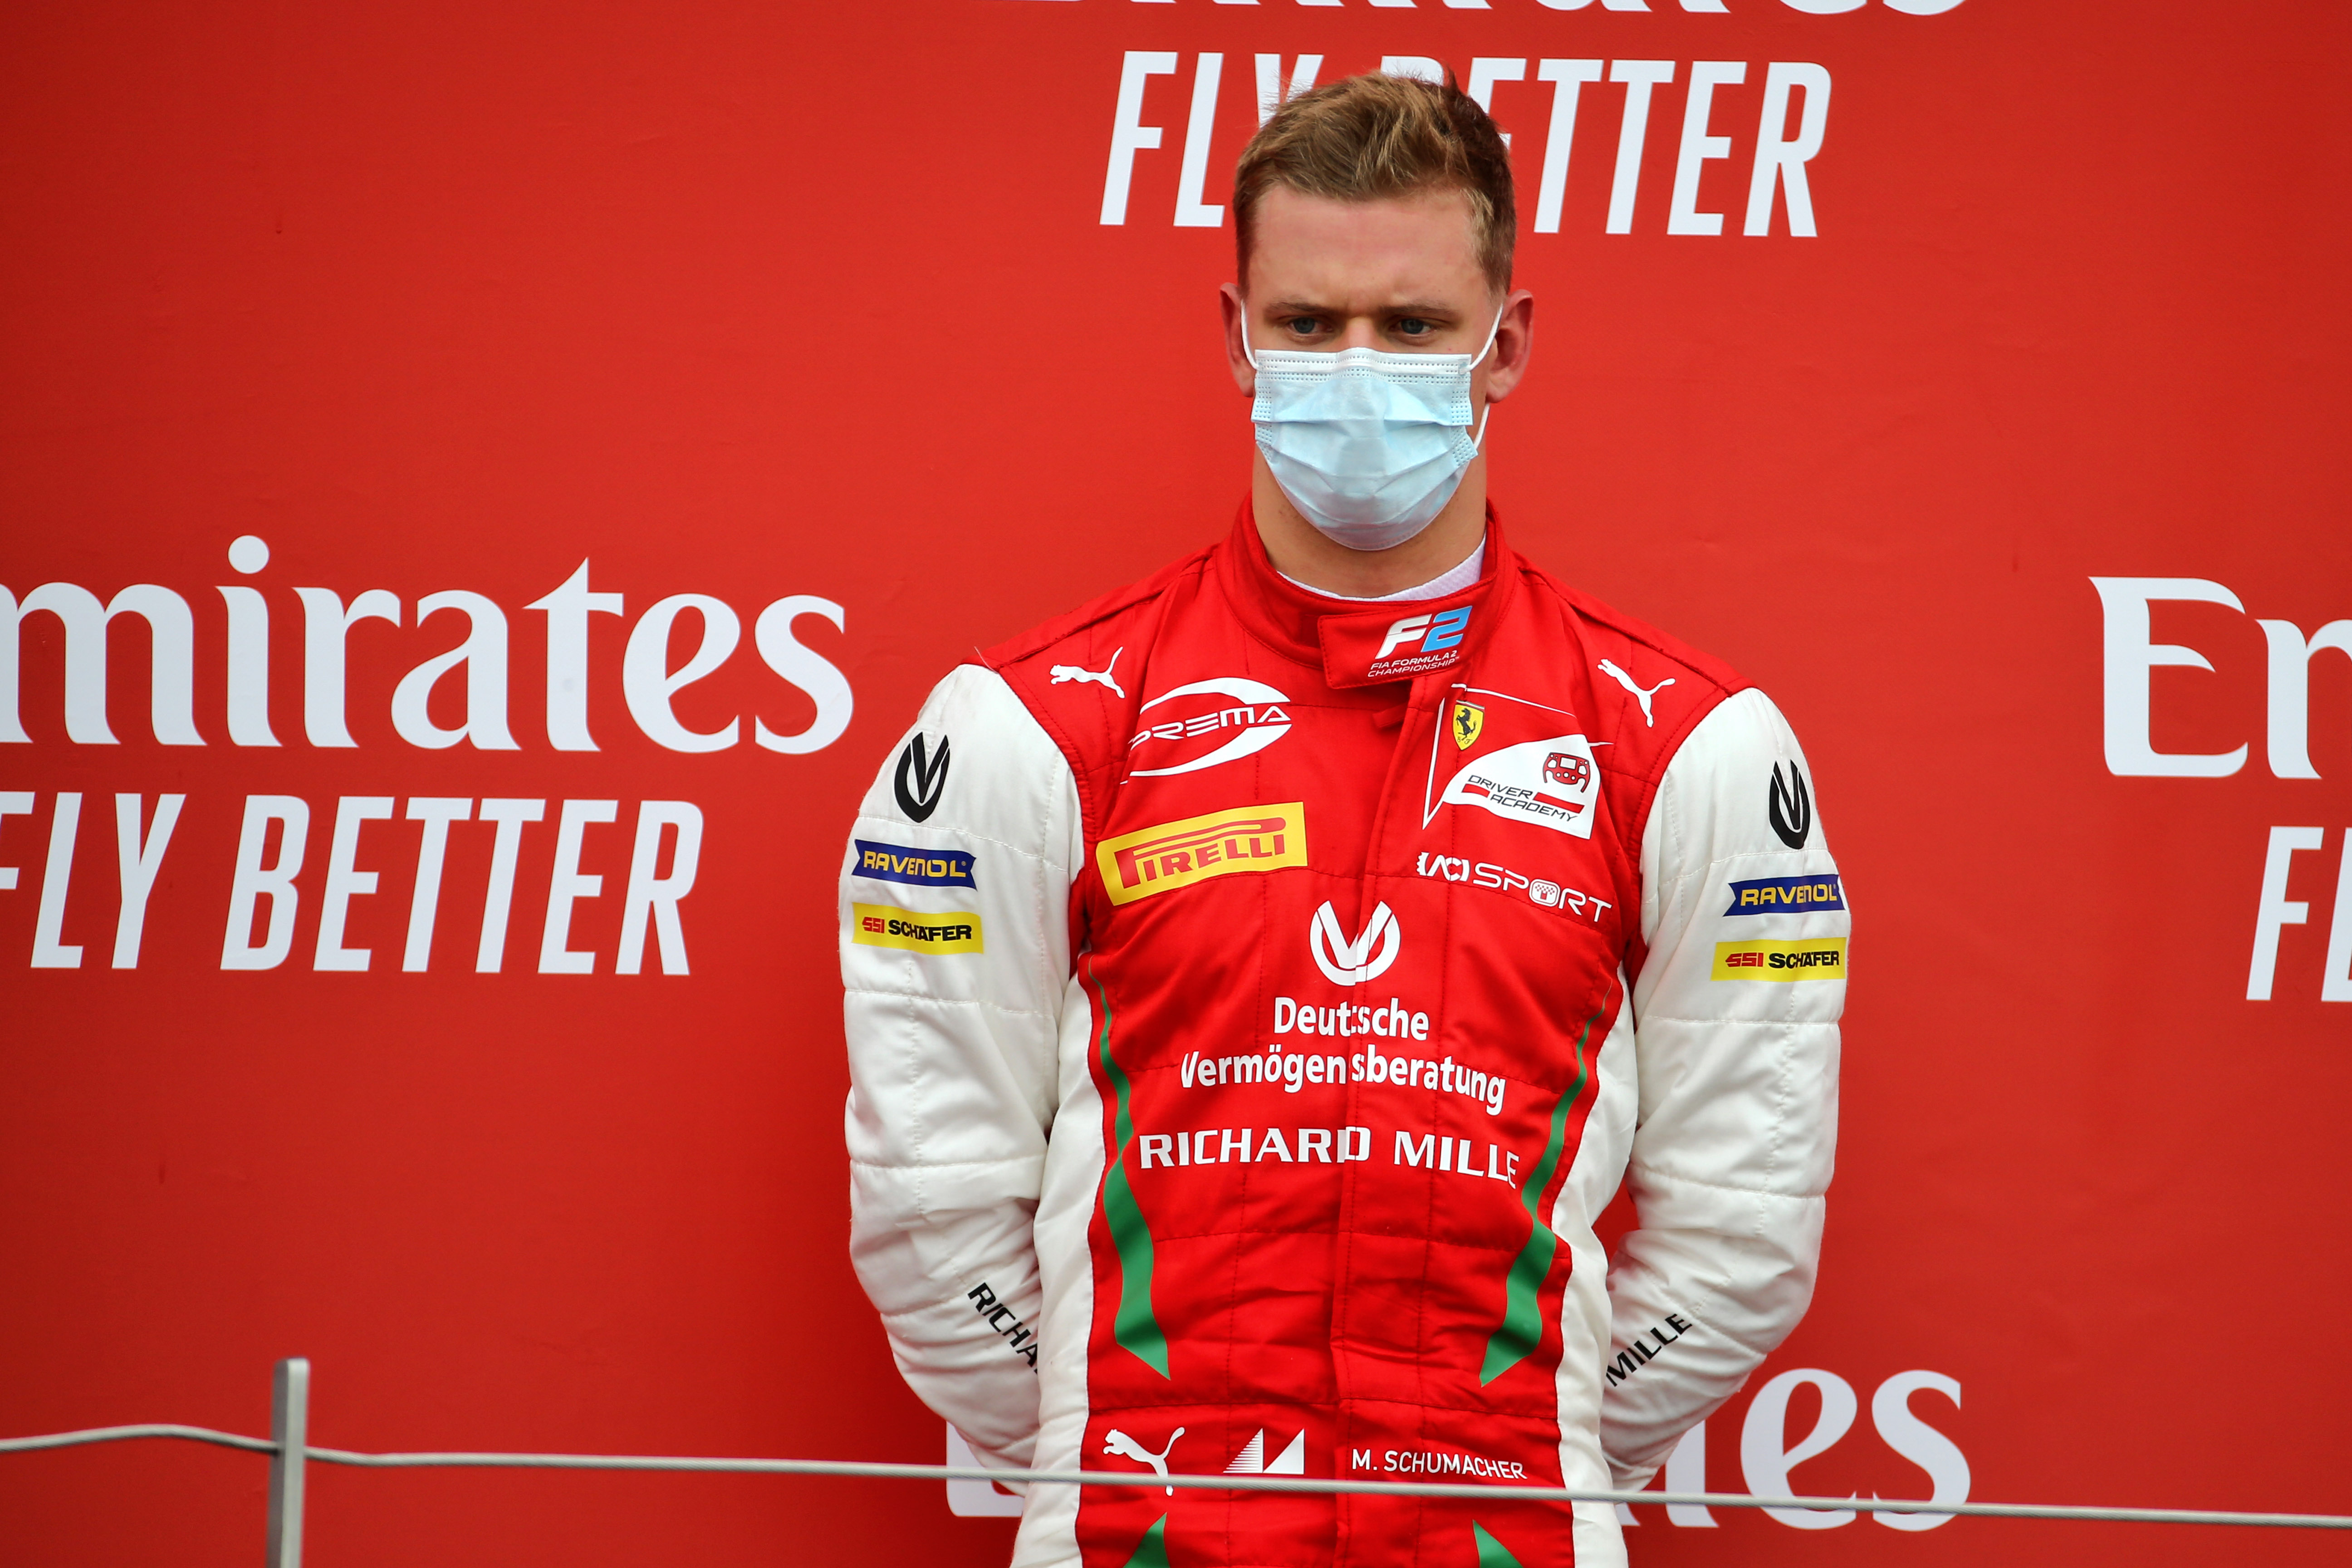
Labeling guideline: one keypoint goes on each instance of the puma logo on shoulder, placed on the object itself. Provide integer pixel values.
(1061, 672)
(1609, 668)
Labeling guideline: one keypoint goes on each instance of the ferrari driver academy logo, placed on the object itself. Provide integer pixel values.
(1567, 770)
(1548, 783)
(1178, 854)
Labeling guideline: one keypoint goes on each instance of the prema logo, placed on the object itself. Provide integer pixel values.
(1250, 720)
(1345, 963)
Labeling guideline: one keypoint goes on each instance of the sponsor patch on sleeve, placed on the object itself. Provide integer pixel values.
(880, 925)
(1786, 895)
(1815, 958)
(922, 867)
(1178, 854)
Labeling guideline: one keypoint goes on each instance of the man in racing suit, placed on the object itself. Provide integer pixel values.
(1255, 991)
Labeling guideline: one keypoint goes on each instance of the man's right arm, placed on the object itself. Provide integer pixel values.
(952, 1045)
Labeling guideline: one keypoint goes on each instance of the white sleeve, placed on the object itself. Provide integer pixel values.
(1738, 1119)
(952, 1051)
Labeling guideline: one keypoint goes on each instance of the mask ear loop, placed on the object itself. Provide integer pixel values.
(1478, 441)
(1491, 333)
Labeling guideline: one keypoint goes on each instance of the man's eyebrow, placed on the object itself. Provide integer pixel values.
(1402, 308)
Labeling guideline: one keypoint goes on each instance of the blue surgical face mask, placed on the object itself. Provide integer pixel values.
(1368, 445)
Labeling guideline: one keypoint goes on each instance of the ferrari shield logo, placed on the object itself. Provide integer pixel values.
(1468, 720)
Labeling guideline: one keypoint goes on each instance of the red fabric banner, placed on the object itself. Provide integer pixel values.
(483, 488)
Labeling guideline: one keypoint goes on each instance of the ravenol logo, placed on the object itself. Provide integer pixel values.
(1786, 895)
(1179, 854)
(1818, 958)
(879, 925)
(923, 868)
(1435, 633)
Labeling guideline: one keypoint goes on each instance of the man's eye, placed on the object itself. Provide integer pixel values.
(1413, 327)
(1306, 326)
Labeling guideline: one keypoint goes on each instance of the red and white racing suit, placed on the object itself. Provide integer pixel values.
(1238, 988)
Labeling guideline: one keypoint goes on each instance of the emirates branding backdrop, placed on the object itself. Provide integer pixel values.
(483, 489)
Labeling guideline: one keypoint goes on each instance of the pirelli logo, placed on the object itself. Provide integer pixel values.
(880, 925)
(1179, 854)
(1816, 958)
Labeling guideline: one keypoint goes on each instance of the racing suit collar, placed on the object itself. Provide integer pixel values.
(1355, 643)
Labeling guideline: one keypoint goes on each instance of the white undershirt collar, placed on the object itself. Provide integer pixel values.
(1437, 587)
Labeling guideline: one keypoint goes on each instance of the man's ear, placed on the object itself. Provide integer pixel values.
(1235, 311)
(1513, 339)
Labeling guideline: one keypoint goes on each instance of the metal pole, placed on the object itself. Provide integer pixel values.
(290, 1428)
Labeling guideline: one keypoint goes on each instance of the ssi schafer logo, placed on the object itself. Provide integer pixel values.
(880, 925)
(1817, 958)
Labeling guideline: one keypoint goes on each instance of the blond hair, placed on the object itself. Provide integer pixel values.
(1374, 136)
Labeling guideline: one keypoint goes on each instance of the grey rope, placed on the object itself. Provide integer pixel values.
(1128, 1478)
(146, 1430)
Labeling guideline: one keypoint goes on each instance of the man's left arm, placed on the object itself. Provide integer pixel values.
(1736, 1016)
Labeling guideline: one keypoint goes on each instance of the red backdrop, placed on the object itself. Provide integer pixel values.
(751, 302)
